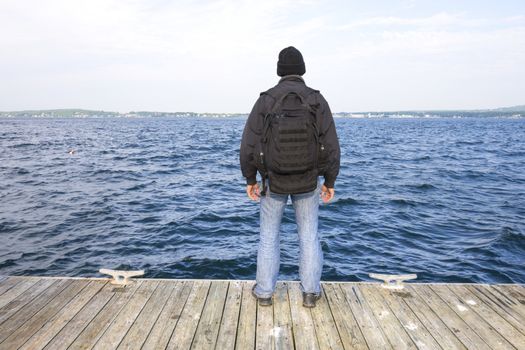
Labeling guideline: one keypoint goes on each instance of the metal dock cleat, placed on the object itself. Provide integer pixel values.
(121, 277)
(392, 281)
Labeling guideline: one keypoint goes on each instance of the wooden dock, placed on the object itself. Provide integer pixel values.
(86, 313)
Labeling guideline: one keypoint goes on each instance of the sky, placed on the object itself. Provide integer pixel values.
(217, 56)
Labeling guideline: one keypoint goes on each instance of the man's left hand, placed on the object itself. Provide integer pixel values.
(327, 194)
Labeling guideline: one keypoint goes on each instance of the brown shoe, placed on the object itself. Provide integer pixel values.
(309, 299)
(262, 301)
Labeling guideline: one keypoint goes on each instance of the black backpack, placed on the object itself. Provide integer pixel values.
(290, 153)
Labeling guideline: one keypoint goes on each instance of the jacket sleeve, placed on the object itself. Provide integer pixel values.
(331, 143)
(250, 136)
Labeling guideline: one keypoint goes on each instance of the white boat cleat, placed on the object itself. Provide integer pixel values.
(121, 277)
(392, 281)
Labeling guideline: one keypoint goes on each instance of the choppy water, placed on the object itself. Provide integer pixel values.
(444, 198)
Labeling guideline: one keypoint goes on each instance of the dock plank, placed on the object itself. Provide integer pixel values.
(163, 328)
(141, 327)
(282, 318)
(501, 307)
(477, 323)
(245, 338)
(433, 323)
(47, 312)
(16, 290)
(264, 334)
(67, 335)
(302, 322)
(230, 318)
(511, 334)
(512, 294)
(369, 326)
(80, 313)
(392, 328)
(23, 299)
(98, 325)
(325, 328)
(461, 329)
(349, 332)
(126, 317)
(10, 282)
(55, 324)
(416, 330)
(184, 332)
(17, 319)
(210, 320)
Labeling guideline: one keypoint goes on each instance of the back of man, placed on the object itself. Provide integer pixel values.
(300, 184)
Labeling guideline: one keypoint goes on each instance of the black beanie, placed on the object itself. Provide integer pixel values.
(290, 62)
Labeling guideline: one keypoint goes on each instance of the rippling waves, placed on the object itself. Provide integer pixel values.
(443, 198)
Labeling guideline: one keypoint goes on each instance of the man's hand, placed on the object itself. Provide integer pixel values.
(253, 192)
(327, 194)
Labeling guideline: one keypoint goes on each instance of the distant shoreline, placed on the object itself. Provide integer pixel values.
(506, 112)
(345, 115)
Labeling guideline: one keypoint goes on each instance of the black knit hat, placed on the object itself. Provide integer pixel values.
(290, 62)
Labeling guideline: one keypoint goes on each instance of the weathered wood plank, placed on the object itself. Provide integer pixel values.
(48, 313)
(395, 332)
(82, 319)
(9, 283)
(511, 334)
(501, 307)
(10, 325)
(210, 320)
(230, 318)
(161, 333)
(141, 327)
(54, 324)
(415, 329)
(302, 322)
(264, 336)
(455, 323)
(512, 295)
(325, 328)
(189, 319)
(247, 320)
(369, 326)
(23, 299)
(98, 325)
(38, 320)
(123, 322)
(282, 317)
(16, 290)
(478, 324)
(439, 330)
(349, 332)
(2, 278)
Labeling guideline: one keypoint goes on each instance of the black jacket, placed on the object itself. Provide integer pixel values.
(254, 124)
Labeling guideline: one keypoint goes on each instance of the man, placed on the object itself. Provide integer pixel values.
(302, 187)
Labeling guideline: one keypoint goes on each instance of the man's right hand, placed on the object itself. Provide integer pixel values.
(253, 192)
(327, 194)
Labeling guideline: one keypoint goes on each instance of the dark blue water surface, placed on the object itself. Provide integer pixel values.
(443, 198)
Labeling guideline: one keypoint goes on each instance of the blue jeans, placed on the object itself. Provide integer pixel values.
(306, 207)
